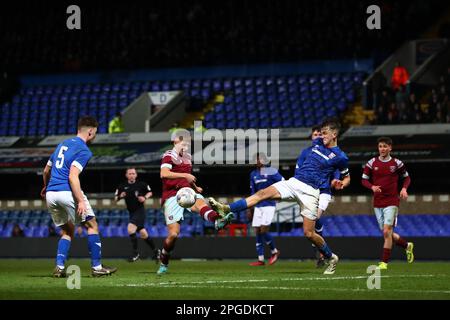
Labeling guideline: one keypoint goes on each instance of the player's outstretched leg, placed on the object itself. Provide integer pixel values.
(173, 230)
(243, 204)
(310, 233)
(95, 250)
(221, 220)
(63, 250)
(408, 246)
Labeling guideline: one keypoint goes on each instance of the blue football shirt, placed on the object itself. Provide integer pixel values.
(70, 152)
(326, 188)
(321, 164)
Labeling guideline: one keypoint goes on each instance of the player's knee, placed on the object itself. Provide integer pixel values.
(387, 233)
(308, 233)
(173, 235)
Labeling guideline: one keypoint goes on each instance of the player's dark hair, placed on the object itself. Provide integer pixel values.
(315, 128)
(331, 123)
(130, 168)
(386, 140)
(87, 121)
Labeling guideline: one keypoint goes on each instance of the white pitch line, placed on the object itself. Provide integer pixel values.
(267, 280)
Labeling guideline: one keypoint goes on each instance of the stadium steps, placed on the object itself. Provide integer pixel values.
(188, 121)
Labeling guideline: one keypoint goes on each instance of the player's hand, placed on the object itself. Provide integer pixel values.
(43, 192)
(123, 195)
(198, 189)
(81, 208)
(403, 194)
(376, 189)
(190, 178)
(337, 184)
(141, 199)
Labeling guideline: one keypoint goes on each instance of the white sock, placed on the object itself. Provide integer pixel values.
(97, 267)
(261, 258)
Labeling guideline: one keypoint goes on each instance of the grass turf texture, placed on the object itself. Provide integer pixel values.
(228, 279)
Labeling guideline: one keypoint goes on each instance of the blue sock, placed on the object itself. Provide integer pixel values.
(259, 245)
(63, 252)
(269, 240)
(95, 249)
(326, 251)
(319, 227)
(239, 205)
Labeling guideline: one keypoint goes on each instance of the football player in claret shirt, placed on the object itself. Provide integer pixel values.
(381, 174)
(176, 173)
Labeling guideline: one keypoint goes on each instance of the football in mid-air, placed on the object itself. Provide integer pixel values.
(186, 197)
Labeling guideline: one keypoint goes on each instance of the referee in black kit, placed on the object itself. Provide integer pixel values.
(135, 193)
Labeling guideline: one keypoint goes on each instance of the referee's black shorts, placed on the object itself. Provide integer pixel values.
(138, 218)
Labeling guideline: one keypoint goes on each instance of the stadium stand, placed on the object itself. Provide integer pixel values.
(113, 223)
(291, 101)
(415, 106)
(53, 109)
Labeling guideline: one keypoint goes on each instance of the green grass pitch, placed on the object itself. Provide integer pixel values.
(227, 279)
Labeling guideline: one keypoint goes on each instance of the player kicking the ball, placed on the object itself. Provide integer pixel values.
(381, 175)
(176, 168)
(66, 201)
(303, 188)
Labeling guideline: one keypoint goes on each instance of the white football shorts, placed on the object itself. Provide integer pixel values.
(306, 196)
(62, 208)
(263, 216)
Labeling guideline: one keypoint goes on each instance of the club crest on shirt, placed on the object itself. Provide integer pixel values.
(392, 168)
(376, 168)
(331, 155)
(170, 217)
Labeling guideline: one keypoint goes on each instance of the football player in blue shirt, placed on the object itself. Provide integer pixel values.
(304, 187)
(262, 177)
(66, 201)
(325, 191)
